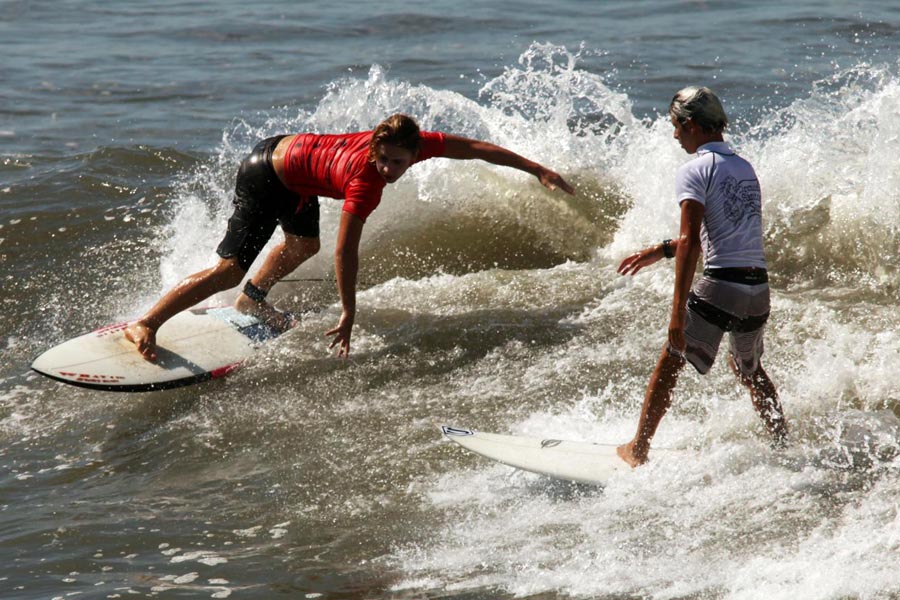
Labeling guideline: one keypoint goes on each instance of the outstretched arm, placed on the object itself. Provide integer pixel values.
(689, 236)
(462, 148)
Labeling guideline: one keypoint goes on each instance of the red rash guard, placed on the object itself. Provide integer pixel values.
(337, 166)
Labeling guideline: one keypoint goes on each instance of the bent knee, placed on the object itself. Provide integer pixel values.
(312, 246)
(229, 272)
(302, 246)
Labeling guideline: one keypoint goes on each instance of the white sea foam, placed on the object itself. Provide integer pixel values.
(741, 521)
(562, 348)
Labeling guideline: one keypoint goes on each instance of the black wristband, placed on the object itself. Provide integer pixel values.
(253, 292)
(667, 249)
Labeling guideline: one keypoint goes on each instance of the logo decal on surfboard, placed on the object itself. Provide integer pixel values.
(456, 430)
(550, 443)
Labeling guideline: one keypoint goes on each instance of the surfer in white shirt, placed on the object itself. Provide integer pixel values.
(721, 217)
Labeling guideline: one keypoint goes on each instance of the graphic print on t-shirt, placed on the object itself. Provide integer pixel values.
(742, 199)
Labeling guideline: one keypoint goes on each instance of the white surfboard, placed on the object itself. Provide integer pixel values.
(193, 346)
(580, 462)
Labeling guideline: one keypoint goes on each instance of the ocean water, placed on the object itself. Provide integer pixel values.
(486, 301)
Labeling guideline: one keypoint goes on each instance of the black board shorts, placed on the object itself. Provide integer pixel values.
(261, 202)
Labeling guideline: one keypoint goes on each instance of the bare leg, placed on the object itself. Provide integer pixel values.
(656, 402)
(191, 290)
(765, 401)
(281, 261)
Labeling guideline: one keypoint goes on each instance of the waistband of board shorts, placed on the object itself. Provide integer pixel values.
(745, 275)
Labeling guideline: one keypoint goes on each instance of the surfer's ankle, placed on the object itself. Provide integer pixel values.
(254, 293)
(248, 305)
(252, 300)
(139, 325)
(263, 311)
(148, 324)
(631, 455)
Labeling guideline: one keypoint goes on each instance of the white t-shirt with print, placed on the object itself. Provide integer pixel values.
(727, 186)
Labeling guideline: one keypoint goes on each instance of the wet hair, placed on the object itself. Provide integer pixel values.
(397, 130)
(702, 105)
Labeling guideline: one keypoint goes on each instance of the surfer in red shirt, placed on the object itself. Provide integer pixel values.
(279, 184)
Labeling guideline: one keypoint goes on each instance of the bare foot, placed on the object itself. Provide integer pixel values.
(144, 338)
(627, 453)
(265, 312)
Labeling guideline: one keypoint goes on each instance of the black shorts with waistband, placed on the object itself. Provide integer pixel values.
(744, 275)
(261, 202)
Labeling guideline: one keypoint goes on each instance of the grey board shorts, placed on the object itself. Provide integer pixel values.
(716, 307)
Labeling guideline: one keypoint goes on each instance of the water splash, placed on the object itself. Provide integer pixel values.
(468, 216)
(827, 164)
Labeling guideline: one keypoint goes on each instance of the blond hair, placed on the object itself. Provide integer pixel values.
(702, 105)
